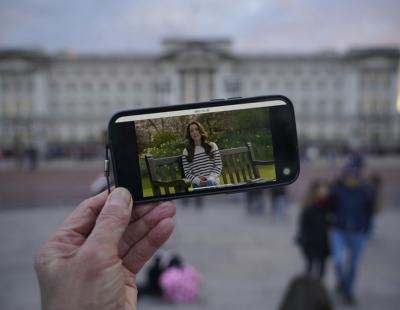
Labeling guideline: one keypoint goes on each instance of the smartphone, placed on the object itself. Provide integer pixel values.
(204, 148)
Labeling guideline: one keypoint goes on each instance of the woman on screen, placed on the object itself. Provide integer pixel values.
(201, 159)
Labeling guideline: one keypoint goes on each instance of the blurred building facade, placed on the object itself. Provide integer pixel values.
(67, 99)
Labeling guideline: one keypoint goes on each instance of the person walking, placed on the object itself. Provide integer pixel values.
(351, 210)
(312, 235)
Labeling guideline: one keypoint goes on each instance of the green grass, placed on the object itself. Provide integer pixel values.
(266, 172)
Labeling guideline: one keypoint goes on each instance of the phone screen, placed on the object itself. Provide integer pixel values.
(204, 148)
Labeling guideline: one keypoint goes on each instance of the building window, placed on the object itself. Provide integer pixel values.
(288, 84)
(96, 72)
(5, 85)
(314, 71)
(29, 86)
(71, 86)
(121, 86)
(162, 87)
(338, 107)
(112, 71)
(387, 83)
(104, 86)
(129, 72)
(338, 84)
(272, 84)
(320, 85)
(120, 104)
(54, 86)
(280, 71)
(88, 86)
(18, 84)
(255, 84)
(305, 85)
(137, 86)
(232, 86)
(321, 108)
(79, 72)
(297, 71)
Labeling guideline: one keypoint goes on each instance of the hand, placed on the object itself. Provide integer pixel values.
(92, 260)
(203, 178)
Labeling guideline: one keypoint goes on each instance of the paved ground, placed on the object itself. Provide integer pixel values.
(68, 183)
(245, 262)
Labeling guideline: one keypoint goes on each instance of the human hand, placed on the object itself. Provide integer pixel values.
(203, 178)
(92, 260)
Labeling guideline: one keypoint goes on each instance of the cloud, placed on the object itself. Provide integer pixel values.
(253, 25)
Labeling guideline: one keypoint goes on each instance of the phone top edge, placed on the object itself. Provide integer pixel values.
(190, 105)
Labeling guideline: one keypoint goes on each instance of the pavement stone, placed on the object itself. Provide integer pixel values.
(245, 262)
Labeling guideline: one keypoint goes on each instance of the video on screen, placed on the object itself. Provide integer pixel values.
(200, 151)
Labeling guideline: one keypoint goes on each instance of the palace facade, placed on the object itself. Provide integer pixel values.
(67, 99)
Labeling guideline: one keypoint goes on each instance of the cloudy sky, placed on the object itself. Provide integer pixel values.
(253, 25)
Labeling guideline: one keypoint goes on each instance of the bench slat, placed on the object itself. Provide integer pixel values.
(224, 164)
(230, 168)
(232, 151)
(236, 160)
(242, 167)
(164, 178)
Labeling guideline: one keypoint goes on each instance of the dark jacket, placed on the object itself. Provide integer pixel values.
(351, 207)
(313, 232)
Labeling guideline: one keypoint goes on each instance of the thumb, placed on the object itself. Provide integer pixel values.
(113, 219)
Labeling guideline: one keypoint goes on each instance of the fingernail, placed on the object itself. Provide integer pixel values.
(121, 196)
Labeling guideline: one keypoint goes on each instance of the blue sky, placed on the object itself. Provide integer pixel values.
(253, 25)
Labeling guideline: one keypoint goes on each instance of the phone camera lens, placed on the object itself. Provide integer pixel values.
(286, 171)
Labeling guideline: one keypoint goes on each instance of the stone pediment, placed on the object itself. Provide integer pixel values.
(196, 55)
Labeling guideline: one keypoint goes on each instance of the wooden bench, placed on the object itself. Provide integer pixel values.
(239, 166)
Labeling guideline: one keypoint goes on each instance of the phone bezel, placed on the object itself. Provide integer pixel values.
(285, 148)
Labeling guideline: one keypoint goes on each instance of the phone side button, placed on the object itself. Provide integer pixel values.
(219, 99)
(235, 98)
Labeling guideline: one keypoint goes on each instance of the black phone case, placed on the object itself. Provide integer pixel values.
(211, 103)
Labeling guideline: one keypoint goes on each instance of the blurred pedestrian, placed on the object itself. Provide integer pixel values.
(255, 202)
(170, 278)
(179, 282)
(306, 293)
(351, 210)
(31, 155)
(375, 182)
(312, 234)
(278, 202)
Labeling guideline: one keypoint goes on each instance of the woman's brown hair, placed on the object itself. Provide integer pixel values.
(312, 192)
(190, 146)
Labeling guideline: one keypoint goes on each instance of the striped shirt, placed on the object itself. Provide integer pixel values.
(202, 164)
